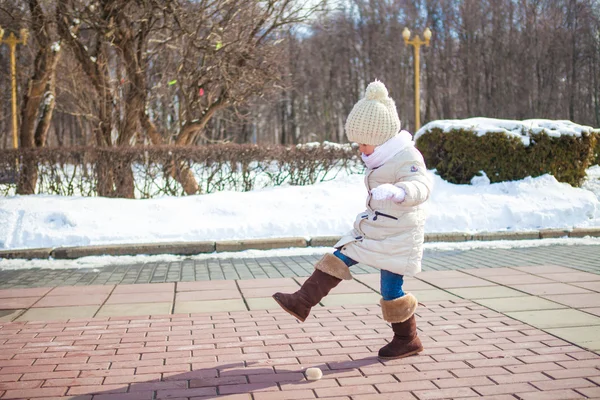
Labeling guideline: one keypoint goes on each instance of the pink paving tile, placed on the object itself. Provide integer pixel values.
(595, 286)
(266, 283)
(575, 276)
(71, 300)
(350, 287)
(344, 369)
(209, 295)
(545, 269)
(17, 303)
(414, 284)
(467, 281)
(140, 297)
(370, 277)
(206, 285)
(594, 310)
(577, 300)
(427, 275)
(541, 289)
(81, 290)
(18, 293)
(485, 272)
(267, 292)
(145, 288)
(521, 279)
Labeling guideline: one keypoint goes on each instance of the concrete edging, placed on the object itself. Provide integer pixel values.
(191, 248)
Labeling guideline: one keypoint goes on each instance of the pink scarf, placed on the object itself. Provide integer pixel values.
(388, 150)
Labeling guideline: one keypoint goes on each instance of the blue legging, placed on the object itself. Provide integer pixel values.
(391, 283)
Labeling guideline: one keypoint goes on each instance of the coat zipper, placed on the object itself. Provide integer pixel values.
(377, 213)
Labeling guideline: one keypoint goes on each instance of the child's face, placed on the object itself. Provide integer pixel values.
(366, 149)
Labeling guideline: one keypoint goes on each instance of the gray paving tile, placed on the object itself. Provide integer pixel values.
(295, 266)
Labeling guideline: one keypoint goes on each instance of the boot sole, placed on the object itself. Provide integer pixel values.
(410, 353)
(288, 311)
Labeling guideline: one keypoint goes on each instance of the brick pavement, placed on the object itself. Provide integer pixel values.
(471, 352)
(562, 301)
(522, 330)
(584, 258)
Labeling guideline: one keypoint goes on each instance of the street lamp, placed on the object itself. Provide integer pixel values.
(417, 43)
(12, 41)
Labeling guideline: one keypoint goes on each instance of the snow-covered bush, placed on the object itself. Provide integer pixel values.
(507, 150)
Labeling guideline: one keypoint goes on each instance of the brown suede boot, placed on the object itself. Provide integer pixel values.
(329, 271)
(400, 312)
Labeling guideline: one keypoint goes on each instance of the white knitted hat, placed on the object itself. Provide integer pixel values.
(374, 119)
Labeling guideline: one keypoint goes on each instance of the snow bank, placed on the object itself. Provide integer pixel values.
(326, 208)
(519, 129)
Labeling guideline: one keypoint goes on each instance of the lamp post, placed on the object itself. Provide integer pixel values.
(417, 43)
(12, 41)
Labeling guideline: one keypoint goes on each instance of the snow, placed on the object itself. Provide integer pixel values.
(48, 97)
(518, 129)
(55, 47)
(592, 180)
(326, 208)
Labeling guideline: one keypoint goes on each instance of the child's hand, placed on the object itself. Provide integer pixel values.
(388, 191)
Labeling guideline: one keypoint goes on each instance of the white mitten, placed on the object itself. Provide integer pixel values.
(388, 191)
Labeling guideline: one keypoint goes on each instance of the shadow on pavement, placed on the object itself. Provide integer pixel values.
(224, 380)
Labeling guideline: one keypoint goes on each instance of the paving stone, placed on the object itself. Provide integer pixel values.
(593, 310)
(433, 295)
(233, 337)
(141, 288)
(577, 335)
(543, 289)
(197, 286)
(208, 295)
(349, 299)
(58, 313)
(262, 303)
(594, 345)
(71, 300)
(518, 279)
(524, 303)
(555, 318)
(132, 309)
(576, 300)
(572, 276)
(209, 306)
(595, 286)
(9, 315)
(485, 292)
(535, 260)
(33, 292)
(263, 292)
(15, 303)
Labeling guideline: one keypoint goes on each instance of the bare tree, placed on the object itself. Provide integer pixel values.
(39, 100)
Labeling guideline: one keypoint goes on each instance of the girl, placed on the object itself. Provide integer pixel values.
(389, 234)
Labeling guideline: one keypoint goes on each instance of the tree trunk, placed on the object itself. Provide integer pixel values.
(183, 174)
(40, 90)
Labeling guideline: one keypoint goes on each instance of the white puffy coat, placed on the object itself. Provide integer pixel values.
(389, 235)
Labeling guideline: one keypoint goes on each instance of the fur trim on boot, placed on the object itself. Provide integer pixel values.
(400, 309)
(333, 266)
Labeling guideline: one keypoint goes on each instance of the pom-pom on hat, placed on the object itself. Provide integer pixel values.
(374, 119)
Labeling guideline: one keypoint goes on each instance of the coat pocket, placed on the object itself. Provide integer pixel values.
(379, 226)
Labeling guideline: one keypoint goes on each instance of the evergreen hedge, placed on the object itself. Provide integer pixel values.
(459, 155)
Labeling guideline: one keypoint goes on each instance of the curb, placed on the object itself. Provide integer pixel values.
(192, 248)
